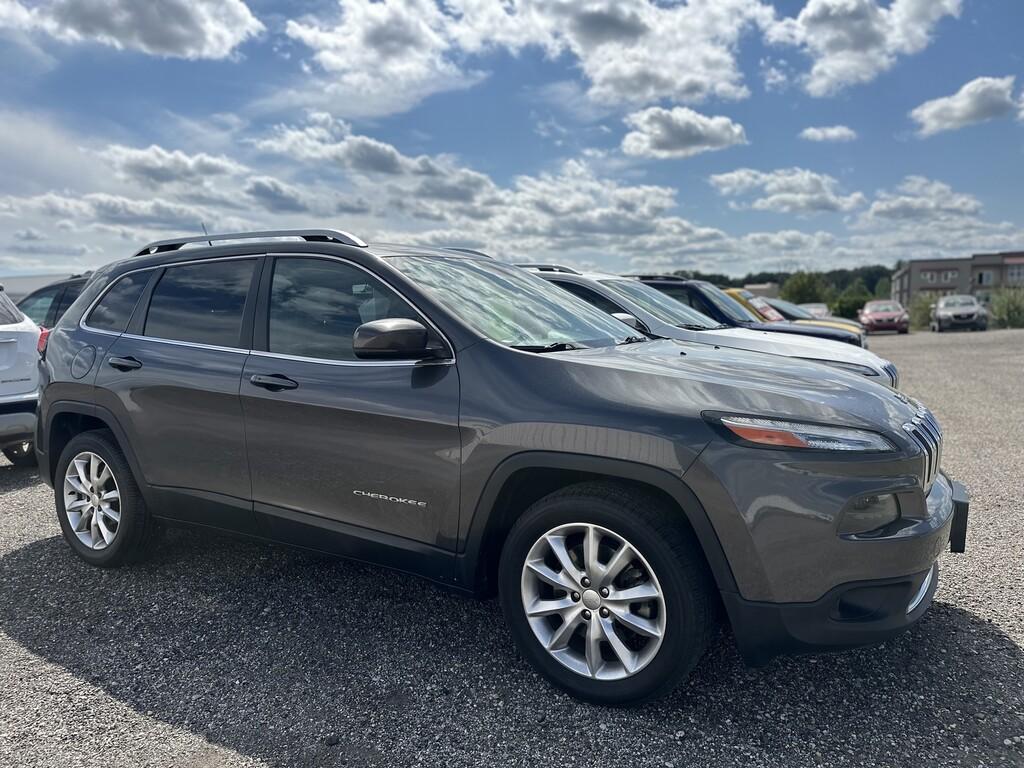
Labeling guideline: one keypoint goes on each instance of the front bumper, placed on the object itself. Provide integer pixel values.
(851, 614)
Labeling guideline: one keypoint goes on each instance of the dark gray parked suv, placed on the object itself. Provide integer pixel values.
(458, 418)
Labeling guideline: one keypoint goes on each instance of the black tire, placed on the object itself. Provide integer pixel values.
(22, 454)
(665, 541)
(137, 532)
(903, 331)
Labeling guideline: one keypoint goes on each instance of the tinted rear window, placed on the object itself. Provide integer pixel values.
(115, 308)
(9, 314)
(201, 303)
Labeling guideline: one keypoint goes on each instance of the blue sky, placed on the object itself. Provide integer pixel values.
(730, 135)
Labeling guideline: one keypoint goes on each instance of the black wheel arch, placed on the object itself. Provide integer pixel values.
(83, 417)
(477, 560)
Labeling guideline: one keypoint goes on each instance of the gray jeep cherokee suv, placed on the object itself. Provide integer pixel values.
(454, 417)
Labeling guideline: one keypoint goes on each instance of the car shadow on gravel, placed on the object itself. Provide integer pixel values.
(14, 478)
(299, 660)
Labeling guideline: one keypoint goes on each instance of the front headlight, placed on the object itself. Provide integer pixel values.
(863, 370)
(793, 434)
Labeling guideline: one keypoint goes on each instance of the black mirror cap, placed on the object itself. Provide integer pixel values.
(395, 338)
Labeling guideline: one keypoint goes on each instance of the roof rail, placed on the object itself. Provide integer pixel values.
(549, 268)
(641, 276)
(310, 235)
(470, 251)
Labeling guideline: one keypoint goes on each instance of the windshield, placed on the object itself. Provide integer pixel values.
(884, 306)
(791, 309)
(509, 305)
(957, 301)
(662, 306)
(727, 304)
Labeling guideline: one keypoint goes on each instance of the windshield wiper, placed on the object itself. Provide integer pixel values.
(693, 327)
(633, 340)
(558, 346)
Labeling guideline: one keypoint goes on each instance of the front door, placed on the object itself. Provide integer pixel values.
(371, 445)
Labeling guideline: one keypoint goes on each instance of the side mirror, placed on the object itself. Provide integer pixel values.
(394, 338)
(628, 319)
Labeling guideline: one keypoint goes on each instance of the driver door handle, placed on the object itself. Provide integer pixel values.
(275, 382)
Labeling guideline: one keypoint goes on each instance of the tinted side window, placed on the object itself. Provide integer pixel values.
(316, 305)
(690, 299)
(201, 303)
(71, 292)
(591, 297)
(115, 308)
(37, 305)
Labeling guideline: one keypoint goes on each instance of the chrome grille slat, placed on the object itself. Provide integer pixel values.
(926, 432)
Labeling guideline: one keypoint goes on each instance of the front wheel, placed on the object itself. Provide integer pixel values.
(21, 454)
(607, 593)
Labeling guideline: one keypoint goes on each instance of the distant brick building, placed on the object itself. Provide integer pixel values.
(981, 275)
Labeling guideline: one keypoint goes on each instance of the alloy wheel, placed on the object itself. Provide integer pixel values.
(593, 601)
(92, 500)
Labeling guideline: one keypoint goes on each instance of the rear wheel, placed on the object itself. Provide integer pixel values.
(606, 593)
(101, 512)
(21, 454)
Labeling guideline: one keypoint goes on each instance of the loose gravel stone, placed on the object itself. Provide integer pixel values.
(222, 652)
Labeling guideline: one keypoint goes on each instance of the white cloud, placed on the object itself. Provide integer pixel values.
(853, 41)
(384, 57)
(188, 29)
(787, 190)
(920, 199)
(828, 133)
(983, 98)
(678, 132)
(156, 166)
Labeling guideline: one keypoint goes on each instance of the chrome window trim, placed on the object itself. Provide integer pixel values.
(371, 363)
(261, 353)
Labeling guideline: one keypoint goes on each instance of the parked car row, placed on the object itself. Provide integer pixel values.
(623, 466)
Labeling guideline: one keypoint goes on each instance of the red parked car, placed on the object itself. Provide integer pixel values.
(884, 315)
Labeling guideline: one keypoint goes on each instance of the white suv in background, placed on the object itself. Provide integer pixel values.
(653, 312)
(19, 383)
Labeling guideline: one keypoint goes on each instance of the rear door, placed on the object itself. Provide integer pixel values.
(172, 382)
(368, 444)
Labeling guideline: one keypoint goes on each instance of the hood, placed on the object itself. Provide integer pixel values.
(684, 377)
(793, 345)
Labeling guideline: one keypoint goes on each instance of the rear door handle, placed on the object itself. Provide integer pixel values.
(124, 363)
(275, 382)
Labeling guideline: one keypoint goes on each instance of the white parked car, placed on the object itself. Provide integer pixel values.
(649, 310)
(19, 383)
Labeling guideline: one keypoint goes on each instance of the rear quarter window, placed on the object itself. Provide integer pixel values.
(114, 310)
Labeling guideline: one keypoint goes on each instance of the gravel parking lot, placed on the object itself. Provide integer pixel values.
(225, 652)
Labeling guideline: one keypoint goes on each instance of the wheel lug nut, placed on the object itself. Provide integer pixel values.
(604, 591)
(575, 597)
(585, 581)
(604, 613)
(586, 615)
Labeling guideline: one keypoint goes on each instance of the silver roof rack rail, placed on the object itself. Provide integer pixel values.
(470, 251)
(310, 235)
(549, 268)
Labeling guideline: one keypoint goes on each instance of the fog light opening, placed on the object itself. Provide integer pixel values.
(869, 513)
